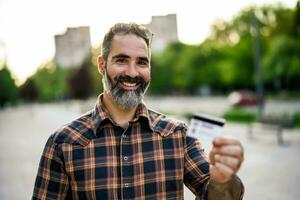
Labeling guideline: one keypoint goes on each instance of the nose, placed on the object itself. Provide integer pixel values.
(132, 70)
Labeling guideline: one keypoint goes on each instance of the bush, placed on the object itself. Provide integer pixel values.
(240, 115)
(297, 119)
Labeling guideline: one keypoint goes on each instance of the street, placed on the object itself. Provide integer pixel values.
(270, 171)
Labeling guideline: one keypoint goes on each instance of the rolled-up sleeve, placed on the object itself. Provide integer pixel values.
(197, 177)
(51, 180)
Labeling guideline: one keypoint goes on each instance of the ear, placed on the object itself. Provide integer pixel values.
(101, 65)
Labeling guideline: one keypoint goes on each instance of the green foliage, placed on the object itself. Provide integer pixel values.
(165, 70)
(296, 21)
(200, 68)
(50, 82)
(8, 88)
(184, 68)
(297, 119)
(28, 91)
(225, 60)
(282, 63)
(240, 115)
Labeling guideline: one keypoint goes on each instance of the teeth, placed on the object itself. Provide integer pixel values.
(129, 84)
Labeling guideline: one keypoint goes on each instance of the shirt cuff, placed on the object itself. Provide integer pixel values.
(231, 190)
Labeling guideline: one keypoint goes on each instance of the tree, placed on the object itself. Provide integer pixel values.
(282, 63)
(296, 21)
(273, 20)
(8, 88)
(50, 81)
(28, 91)
(80, 82)
(234, 37)
(163, 70)
(225, 60)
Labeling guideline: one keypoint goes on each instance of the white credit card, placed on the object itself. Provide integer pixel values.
(205, 128)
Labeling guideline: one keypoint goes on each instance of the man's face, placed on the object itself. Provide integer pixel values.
(127, 70)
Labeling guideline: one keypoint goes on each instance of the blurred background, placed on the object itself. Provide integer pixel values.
(234, 59)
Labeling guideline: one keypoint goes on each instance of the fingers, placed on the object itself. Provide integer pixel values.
(230, 162)
(228, 154)
(228, 146)
(229, 150)
(221, 141)
(221, 173)
(224, 169)
(226, 158)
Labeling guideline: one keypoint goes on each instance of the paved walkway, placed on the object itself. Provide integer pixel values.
(270, 172)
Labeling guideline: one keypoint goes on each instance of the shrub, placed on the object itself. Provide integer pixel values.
(297, 119)
(240, 115)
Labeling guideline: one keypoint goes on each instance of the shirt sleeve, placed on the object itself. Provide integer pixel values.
(231, 190)
(197, 178)
(196, 168)
(51, 180)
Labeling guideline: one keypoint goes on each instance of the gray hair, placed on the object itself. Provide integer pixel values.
(124, 29)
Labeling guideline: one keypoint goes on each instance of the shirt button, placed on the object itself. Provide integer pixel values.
(125, 158)
(126, 185)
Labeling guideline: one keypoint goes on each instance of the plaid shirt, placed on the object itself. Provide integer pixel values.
(94, 158)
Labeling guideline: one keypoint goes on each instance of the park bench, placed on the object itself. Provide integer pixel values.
(275, 123)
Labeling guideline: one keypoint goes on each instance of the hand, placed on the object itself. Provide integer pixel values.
(226, 158)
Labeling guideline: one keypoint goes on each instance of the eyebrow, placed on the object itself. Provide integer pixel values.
(144, 59)
(126, 56)
(120, 56)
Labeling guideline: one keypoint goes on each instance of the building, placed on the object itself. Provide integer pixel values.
(72, 47)
(164, 29)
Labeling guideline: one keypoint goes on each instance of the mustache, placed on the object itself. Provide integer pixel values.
(138, 80)
(114, 82)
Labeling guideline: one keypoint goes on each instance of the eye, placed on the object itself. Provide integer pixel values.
(121, 60)
(143, 63)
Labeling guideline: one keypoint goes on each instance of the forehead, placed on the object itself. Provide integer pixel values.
(130, 45)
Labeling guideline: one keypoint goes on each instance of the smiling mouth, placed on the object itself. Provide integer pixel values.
(129, 86)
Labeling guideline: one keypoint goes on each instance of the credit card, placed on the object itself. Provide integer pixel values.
(205, 128)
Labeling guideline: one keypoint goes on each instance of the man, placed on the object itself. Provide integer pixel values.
(123, 150)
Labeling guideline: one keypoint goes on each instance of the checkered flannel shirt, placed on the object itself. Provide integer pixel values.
(94, 158)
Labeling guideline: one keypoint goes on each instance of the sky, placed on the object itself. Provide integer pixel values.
(27, 28)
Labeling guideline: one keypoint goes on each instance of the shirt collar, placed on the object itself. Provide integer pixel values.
(100, 115)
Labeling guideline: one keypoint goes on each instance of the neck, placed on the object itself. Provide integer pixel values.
(118, 114)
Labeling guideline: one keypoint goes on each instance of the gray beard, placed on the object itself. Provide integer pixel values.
(126, 99)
